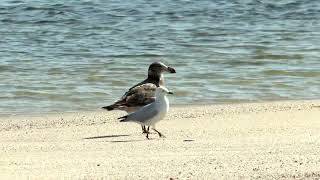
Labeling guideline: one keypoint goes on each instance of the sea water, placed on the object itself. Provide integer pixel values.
(81, 55)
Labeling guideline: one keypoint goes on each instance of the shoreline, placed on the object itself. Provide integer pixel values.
(269, 140)
(171, 105)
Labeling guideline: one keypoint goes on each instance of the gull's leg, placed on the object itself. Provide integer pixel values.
(160, 135)
(147, 131)
(147, 136)
(143, 129)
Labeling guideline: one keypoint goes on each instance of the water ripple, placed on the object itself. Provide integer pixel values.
(80, 55)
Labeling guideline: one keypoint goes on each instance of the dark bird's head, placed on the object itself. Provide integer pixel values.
(157, 68)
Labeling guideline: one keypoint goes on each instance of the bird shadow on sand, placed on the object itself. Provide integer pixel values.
(126, 141)
(119, 136)
(109, 136)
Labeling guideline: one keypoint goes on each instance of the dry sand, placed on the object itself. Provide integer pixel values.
(274, 140)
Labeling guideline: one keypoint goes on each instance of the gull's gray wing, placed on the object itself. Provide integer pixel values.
(136, 97)
(143, 114)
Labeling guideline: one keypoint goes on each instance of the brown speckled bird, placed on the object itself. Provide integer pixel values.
(142, 93)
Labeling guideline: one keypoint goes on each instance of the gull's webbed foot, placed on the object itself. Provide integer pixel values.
(147, 136)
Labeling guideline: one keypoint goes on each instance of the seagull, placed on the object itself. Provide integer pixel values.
(142, 93)
(152, 113)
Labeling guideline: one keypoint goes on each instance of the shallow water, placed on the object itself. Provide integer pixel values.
(81, 55)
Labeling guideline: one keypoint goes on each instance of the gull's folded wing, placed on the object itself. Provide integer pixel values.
(143, 114)
(136, 97)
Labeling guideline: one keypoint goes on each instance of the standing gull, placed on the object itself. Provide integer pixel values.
(142, 93)
(152, 113)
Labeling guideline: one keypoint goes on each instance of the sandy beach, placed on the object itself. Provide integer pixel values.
(272, 140)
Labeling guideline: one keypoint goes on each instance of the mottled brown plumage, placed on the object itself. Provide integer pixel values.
(135, 98)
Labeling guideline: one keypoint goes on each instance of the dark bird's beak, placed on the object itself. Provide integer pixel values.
(171, 70)
(170, 92)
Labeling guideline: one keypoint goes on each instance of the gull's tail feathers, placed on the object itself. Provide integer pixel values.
(123, 118)
(109, 108)
(119, 105)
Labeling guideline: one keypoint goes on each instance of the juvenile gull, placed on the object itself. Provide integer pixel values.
(142, 93)
(152, 113)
